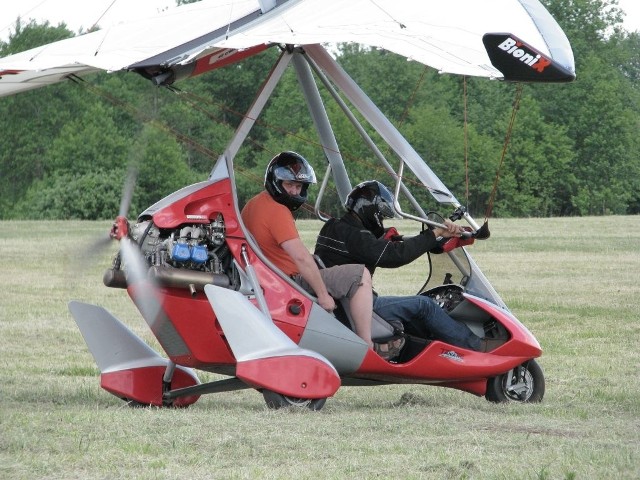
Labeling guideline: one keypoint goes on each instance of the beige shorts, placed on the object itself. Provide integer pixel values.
(341, 281)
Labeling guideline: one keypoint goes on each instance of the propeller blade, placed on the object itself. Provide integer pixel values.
(127, 191)
(135, 264)
(145, 292)
(99, 245)
(87, 256)
(119, 230)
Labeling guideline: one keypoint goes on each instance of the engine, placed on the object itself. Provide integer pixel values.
(199, 247)
(190, 256)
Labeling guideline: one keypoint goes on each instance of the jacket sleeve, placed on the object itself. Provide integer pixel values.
(386, 254)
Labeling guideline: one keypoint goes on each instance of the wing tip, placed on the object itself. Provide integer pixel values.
(520, 62)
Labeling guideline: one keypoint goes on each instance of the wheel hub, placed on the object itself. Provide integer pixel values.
(519, 384)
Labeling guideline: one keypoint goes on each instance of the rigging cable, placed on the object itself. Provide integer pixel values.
(95, 25)
(412, 98)
(514, 111)
(466, 141)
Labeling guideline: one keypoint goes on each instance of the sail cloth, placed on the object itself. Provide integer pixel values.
(502, 39)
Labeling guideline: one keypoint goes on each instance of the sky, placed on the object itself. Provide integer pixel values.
(632, 9)
(83, 14)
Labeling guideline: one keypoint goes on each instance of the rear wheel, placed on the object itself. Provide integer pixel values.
(276, 400)
(524, 383)
(136, 404)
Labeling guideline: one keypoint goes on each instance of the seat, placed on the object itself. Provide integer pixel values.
(388, 337)
(382, 331)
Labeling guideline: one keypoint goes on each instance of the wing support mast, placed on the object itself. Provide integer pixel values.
(315, 59)
(323, 61)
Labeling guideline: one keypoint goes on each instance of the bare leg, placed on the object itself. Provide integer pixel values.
(361, 306)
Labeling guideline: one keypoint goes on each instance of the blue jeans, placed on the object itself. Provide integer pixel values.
(425, 318)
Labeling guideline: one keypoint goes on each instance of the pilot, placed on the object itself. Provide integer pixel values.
(359, 236)
(269, 218)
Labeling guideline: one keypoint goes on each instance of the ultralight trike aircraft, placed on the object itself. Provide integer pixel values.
(211, 298)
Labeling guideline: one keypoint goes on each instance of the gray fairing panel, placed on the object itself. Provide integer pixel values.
(113, 345)
(330, 338)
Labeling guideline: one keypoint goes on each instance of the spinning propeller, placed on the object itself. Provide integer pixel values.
(145, 292)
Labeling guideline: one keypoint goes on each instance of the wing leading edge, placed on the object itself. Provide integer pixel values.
(463, 37)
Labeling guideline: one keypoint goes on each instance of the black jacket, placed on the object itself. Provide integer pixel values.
(347, 241)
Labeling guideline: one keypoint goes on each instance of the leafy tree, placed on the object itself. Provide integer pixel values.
(161, 168)
(30, 123)
(67, 195)
(601, 109)
(537, 178)
(388, 79)
(587, 23)
(89, 142)
(32, 35)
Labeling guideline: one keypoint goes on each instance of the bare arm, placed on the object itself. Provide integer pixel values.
(309, 271)
(452, 230)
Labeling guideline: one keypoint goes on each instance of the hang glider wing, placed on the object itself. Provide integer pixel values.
(504, 39)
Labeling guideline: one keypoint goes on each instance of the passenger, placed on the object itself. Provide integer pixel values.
(359, 237)
(268, 216)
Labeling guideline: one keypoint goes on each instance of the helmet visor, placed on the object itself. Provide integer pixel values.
(296, 172)
(385, 202)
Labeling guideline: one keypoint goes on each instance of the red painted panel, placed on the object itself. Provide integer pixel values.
(296, 376)
(144, 385)
(440, 362)
(200, 206)
(195, 321)
(224, 57)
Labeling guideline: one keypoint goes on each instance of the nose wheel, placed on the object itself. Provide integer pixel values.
(524, 383)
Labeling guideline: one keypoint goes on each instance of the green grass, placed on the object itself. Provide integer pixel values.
(574, 282)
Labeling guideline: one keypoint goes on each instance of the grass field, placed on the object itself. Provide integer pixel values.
(574, 282)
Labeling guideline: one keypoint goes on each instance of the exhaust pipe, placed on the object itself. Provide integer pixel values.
(191, 279)
(114, 278)
(171, 277)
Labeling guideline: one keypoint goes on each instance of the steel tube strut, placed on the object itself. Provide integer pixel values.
(365, 136)
(254, 111)
(381, 124)
(323, 126)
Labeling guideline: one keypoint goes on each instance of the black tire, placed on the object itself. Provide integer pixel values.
(135, 404)
(522, 384)
(276, 400)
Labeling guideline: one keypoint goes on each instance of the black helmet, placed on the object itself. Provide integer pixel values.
(371, 201)
(288, 166)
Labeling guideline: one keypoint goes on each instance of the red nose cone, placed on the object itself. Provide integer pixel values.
(120, 228)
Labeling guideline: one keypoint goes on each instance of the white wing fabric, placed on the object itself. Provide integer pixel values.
(448, 35)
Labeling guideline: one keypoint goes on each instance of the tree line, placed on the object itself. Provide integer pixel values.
(65, 150)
